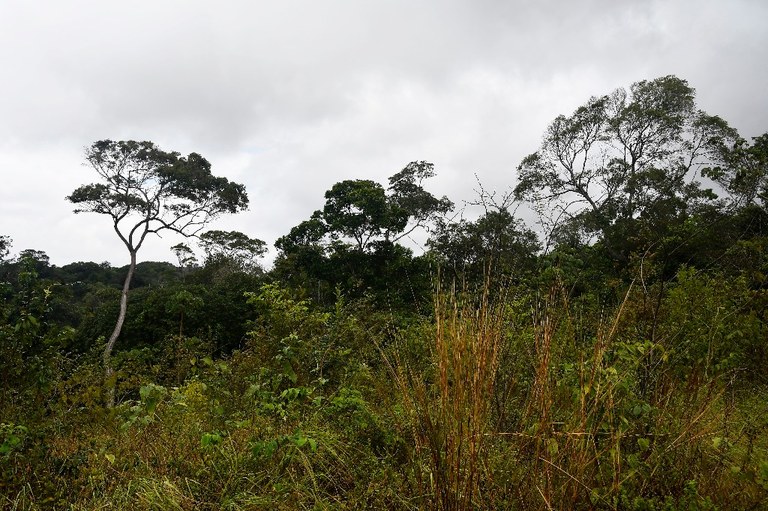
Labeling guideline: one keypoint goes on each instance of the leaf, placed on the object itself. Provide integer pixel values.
(265, 449)
(110, 458)
(289, 372)
(210, 439)
(552, 447)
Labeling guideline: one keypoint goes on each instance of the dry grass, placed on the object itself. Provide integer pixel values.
(452, 415)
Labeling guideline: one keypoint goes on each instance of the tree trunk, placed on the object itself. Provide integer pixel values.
(107, 356)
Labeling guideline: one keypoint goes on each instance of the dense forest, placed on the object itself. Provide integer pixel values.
(611, 355)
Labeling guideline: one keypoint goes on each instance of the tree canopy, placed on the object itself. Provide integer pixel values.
(624, 156)
(5, 246)
(363, 212)
(154, 190)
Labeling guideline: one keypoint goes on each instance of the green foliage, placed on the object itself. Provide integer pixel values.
(744, 172)
(29, 340)
(351, 242)
(298, 440)
(232, 248)
(495, 244)
(586, 410)
(624, 162)
(143, 412)
(145, 190)
(13, 437)
(5, 246)
(691, 500)
(362, 210)
(138, 178)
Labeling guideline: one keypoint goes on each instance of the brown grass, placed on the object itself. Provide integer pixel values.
(452, 415)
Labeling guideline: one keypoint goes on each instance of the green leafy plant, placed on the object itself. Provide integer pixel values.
(12, 437)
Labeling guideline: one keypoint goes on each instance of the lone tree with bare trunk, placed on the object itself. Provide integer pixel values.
(146, 190)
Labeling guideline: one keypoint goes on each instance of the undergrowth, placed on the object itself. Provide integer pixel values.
(503, 399)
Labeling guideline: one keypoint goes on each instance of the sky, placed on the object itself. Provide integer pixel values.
(293, 96)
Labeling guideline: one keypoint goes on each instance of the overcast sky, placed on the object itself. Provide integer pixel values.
(292, 96)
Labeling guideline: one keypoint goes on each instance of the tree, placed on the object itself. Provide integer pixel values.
(743, 172)
(364, 212)
(352, 241)
(623, 157)
(308, 233)
(495, 247)
(357, 209)
(5, 247)
(37, 258)
(234, 247)
(185, 257)
(145, 190)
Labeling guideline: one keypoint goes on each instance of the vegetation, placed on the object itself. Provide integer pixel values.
(617, 363)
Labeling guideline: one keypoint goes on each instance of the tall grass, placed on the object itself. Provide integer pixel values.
(452, 409)
(608, 425)
(603, 420)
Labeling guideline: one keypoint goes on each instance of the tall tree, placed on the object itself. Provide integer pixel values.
(363, 212)
(352, 241)
(495, 247)
(185, 256)
(145, 190)
(625, 156)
